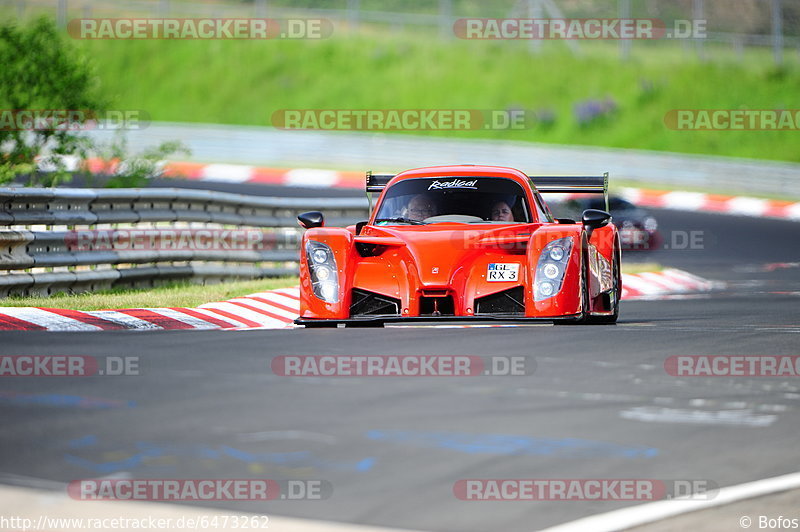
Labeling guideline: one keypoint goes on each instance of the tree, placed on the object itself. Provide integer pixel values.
(39, 71)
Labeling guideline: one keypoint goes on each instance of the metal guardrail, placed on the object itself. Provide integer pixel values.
(40, 230)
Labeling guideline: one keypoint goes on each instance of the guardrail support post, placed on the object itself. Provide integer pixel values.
(777, 31)
(61, 13)
(353, 14)
(698, 13)
(535, 12)
(625, 44)
(261, 8)
(446, 18)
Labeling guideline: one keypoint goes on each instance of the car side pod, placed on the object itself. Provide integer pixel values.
(311, 219)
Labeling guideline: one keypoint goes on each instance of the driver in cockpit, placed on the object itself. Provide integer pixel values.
(501, 212)
(420, 207)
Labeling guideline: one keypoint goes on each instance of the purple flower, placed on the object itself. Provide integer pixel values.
(588, 111)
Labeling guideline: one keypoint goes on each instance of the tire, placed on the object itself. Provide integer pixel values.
(611, 318)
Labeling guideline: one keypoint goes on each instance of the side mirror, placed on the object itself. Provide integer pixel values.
(360, 226)
(594, 219)
(311, 219)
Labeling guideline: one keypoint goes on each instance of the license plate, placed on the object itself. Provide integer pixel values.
(502, 272)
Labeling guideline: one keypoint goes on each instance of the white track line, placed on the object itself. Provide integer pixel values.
(657, 511)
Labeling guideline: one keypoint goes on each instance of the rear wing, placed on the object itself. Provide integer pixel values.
(377, 182)
(572, 185)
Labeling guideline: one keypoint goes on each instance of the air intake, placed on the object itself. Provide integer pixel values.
(508, 302)
(366, 303)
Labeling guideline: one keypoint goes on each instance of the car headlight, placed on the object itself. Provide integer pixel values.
(323, 273)
(322, 269)
(650, 224)
(557, 253)
(320, 256)
(546, 289)
(329, 292)
(551, 268)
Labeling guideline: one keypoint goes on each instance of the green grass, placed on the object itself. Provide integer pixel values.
(174, 295)
(244, 82)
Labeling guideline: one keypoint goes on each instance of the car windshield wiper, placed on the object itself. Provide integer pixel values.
(401, 220)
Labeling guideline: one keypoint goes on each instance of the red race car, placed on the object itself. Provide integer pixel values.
(462, 243)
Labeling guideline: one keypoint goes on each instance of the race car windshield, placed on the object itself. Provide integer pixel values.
(454, 199)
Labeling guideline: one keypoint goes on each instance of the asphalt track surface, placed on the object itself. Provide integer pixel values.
(599, 405)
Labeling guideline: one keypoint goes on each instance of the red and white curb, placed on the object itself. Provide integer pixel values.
(273, 309)
(240, 173)
(700, 202)
(668, 282)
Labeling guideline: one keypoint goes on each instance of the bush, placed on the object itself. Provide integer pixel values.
(40, 71)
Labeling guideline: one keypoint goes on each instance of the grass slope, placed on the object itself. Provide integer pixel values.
(175, 295)
(244, 82)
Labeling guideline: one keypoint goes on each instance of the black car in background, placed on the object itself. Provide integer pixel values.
(638, 229)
